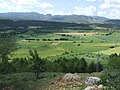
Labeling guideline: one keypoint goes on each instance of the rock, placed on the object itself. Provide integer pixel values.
(92, 81)
(91, 88)
(68, 81)
(71, 77)
(100, 87)
(95, 87)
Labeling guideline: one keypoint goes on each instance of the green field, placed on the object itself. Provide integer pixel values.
(76, 45)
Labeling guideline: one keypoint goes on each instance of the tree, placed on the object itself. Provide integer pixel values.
(38, 64)
(73, 65)
(98, 67)
(114, 61)
(113, 72)
(91, 67)
(84, 65)
(7, 46)
(20, 64)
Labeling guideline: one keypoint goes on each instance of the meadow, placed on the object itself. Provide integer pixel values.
(92, 45)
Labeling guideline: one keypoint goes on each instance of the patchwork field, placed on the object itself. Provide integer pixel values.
(56, 45)
(111, 51)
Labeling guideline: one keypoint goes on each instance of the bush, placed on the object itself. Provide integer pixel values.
(20, 65)
(74, 65)
(94, 67)
(38, 64)
(113, 72)
(90, 68)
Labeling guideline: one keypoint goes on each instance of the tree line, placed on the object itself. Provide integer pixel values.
(36, 64)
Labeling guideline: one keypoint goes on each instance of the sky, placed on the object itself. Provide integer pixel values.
(105, 8)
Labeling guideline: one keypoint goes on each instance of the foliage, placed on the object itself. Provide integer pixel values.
(37, 63)
(113, 72)
(20, 65)
(74, 65)
(7, 46)
(114, 61)
(94, 67)
(98, 67)
(91, 68)
(17, 81)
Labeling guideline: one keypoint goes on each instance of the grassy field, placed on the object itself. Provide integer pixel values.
(81, 44)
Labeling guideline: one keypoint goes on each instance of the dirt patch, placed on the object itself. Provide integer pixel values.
(77, 33)
(55, 43)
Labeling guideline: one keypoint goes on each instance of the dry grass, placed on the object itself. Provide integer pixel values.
(78, 33)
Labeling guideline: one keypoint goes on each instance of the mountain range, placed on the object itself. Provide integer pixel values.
(49, 17)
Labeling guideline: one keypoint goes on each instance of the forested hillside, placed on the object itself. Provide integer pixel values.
(49, 17)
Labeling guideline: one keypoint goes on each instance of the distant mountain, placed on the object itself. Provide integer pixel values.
(113, 21)
(49, 17)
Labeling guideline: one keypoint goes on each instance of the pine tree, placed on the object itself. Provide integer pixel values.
(91, 67)
(7, 46)
(98, 67)
(37, 63)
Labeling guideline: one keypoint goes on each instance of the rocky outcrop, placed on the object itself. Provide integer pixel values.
(92, 80)
(91, 84)
(72, 81)
(95, 87)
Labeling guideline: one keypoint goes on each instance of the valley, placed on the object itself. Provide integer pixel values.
(40, 53)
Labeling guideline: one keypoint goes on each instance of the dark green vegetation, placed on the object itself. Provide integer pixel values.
(27, 81)
(7, 45)
(111, 77)
(28, 48)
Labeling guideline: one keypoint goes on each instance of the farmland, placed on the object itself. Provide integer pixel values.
(72, 44)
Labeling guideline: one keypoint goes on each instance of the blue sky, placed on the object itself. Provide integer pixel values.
(105, 8)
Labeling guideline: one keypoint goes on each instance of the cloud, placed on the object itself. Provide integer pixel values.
(114, 13)
(110, 9)
(91, 0)
(90, 10)
(101, 13)
(46, 5)
(110, 13)
(109, 4)
(112, 1)
(24, 5)
(33, 3)
(57, 12)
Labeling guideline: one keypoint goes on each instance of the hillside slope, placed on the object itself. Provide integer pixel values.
(49, 17)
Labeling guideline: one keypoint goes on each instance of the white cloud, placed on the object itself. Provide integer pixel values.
(107, 6)
(110, 13)
(91, 0)
(110, 8)
(57, 12)
(114, 13)
(90, 11)
(110, 4)
(46, 5)
(33, 3)
(101, 13)
(24, 5)
(112, 1)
